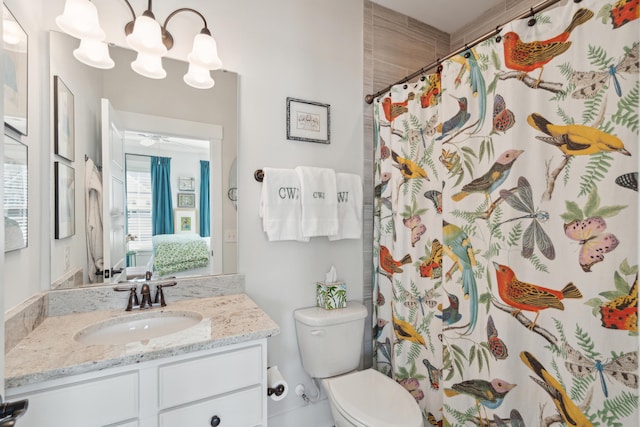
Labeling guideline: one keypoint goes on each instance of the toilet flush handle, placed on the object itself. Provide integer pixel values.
(318, 332)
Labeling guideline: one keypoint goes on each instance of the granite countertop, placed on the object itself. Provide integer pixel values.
(50, 351)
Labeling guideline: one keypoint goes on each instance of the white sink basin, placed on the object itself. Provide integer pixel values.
(137, 327)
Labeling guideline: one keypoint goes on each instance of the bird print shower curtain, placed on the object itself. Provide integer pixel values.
(506, 222)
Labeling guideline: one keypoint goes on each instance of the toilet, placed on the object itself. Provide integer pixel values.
(330, 343)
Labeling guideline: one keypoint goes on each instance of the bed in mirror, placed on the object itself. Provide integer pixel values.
(147, 119)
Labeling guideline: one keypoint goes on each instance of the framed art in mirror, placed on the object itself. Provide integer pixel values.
(16, 218)
(15, 47)
(64, 119)
(186, 200)
(186, 184)
(65, 196)
(185, 221)
(308, 121)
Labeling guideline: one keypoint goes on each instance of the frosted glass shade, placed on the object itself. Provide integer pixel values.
(149, 66)
(198, 77)
(80, 20)
(147, 36)
(94, 53)
(204, 52)
(11, 33)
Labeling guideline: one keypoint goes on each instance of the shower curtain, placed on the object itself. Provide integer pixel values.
(506, 221)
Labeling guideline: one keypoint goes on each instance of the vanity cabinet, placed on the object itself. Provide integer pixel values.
(223, 387)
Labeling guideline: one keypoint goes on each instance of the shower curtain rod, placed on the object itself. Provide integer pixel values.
(532, 11)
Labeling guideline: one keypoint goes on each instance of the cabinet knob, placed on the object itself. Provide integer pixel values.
(215, 421)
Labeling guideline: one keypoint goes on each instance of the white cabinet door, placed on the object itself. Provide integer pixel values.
(103, 402)
(242, 409)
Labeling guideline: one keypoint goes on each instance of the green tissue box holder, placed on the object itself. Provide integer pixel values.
(331, 295)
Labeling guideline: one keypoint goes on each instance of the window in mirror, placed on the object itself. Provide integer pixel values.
(15, 195)
(138, 183)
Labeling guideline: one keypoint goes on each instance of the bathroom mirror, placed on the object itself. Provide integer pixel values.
(16, 219)
(158, 113)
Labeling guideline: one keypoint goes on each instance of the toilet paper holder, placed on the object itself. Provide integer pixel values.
(278, 390)
(276, 385)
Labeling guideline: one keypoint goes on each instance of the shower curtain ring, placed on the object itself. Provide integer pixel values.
(467, 52)
(498, 36)
(532, 21)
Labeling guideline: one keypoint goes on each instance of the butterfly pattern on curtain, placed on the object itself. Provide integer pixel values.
(506, 220)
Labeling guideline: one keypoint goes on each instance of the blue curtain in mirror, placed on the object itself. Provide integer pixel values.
(161, 199)
(205, 208)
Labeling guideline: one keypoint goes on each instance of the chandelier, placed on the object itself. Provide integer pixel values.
(146, 36)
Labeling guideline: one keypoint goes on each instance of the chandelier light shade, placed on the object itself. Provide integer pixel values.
(80, 20)
(198, 77)
(149, 65)
(11, 32)
(146, 36)
(205, 51)
(94, 53)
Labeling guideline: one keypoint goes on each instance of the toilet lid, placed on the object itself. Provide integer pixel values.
(373, 399)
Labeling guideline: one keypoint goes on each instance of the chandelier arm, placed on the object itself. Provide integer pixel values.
(133, 13)
(185, 9)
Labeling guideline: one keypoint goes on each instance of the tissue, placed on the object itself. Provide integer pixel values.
(332, 293)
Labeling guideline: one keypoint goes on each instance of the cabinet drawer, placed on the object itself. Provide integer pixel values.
(100, 402)
(197, 379)
(241, 409)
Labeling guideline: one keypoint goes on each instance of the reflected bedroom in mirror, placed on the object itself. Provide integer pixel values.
(154, 162)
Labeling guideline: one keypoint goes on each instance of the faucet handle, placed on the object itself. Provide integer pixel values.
(133, 296)
(160, 293)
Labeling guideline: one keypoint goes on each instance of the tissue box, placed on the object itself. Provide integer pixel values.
(331, 295)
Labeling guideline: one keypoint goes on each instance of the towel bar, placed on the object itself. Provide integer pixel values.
(258, 175)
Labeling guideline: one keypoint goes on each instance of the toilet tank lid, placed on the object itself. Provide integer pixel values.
(316, 316)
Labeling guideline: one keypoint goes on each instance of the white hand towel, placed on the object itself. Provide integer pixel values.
(319, 201)
(349, 188)
(280, 207)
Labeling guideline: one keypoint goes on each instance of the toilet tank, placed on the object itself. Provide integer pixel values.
(330, 341)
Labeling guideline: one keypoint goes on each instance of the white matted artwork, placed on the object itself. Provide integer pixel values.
(308, 121)
(186, 184)
(185, 221)
(64, 128)
(65, 196)
(186, 200)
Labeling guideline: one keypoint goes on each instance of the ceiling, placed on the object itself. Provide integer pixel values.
(446, 15)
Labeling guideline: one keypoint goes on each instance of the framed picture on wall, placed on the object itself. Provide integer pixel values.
(308, 121)
(64, 121)
(185, 221)
(186, 200)
(15, 48)
(186, 184)
(65, 200)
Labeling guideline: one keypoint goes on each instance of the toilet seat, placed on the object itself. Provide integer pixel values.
(369, 398)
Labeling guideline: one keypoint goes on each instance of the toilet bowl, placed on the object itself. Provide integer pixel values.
(370, 399)
(330, 344)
